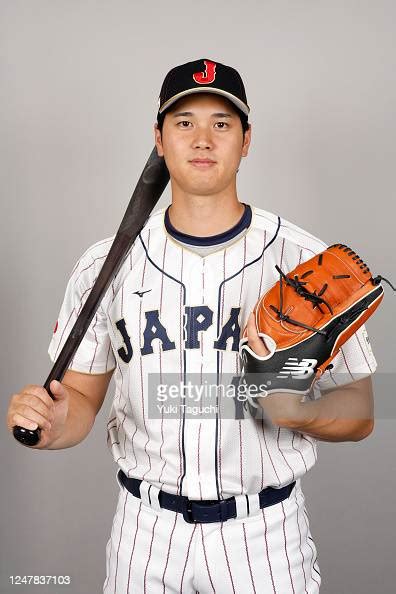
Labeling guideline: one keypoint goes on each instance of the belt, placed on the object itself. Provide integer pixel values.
(205, 511)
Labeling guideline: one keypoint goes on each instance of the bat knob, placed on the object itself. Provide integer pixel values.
(27, 436)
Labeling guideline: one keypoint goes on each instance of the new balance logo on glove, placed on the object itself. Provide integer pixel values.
(298, 369)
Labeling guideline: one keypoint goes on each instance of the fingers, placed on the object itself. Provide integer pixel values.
(58, 390)
(29, 418)
(39, 392)
(31, 408)
(254, 340)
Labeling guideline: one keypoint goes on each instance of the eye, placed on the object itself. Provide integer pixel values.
(223, 125)
(183, 122)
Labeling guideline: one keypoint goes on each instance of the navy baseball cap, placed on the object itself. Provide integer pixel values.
(202, 76)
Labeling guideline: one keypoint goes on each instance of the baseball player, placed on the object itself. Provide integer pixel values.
(210, 497)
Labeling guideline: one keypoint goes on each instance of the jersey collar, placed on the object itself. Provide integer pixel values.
(243, 223)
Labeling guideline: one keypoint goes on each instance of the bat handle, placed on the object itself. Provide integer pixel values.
(31, 437)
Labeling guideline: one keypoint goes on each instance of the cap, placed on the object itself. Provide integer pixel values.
(202, 76)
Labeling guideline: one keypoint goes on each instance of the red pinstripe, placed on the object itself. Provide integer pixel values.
(168, 552)
(269, 455)
(219, 448)
(280, 450)
(119, 543)
(346, 363)
(285, 542)
(299, 532)
(149, 555)
(226, 556)
(185, 563)
(96, 341)
(124, 417)
(364, 354)
(312, 559)
(261, 455)
(181, 336)
(160, 364)
(262, 264)
(134, 544)
(90, 266)
(299, 451)
(109, 559)
(303, 437)
(248, 558)
(141, 367)
(206, 561)
(267, 551)
(239, 422)
(199, 461)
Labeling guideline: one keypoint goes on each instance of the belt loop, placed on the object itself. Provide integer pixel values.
(149, 495)
(241, 504)
(254, 504)
(247, 505)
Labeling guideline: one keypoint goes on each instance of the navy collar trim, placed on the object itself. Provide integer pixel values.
(243, 223)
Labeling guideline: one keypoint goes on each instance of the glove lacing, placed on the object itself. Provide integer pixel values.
(298, 285)
(316, 298)
(358, 261)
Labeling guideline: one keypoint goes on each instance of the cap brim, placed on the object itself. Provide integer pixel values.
(237, 102)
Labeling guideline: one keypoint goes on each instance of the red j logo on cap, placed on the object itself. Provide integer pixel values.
(207, 77)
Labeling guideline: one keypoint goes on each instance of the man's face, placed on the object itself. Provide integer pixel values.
(202, 142)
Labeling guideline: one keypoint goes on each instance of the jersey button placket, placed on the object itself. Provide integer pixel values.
(194, 297)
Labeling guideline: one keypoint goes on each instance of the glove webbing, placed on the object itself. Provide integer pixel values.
(315, 298)
(298, 286)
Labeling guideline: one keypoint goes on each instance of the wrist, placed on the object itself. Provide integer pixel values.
(284, 409)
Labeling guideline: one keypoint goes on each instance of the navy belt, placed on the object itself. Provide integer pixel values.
(205, 511)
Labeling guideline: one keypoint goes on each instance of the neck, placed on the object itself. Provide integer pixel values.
(203, 216)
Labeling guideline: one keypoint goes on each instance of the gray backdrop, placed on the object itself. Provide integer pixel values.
(80, 81)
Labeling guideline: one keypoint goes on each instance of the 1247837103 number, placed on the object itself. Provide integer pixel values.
(19, 580)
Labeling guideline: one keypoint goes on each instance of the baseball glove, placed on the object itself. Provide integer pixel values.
(306, 317)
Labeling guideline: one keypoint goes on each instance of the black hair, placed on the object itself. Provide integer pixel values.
(242, 116)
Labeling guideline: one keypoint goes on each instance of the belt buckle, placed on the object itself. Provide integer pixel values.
(187, 511)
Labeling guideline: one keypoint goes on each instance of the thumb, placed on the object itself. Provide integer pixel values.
(254, 340)
(58, 390)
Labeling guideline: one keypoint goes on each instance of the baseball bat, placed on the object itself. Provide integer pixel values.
(149, 188)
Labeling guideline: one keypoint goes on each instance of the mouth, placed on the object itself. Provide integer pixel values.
(202, 163)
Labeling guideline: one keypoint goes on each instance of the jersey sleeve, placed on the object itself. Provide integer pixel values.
(354, 361)
(94, 354)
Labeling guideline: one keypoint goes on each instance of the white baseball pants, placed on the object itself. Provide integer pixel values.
(155, 551)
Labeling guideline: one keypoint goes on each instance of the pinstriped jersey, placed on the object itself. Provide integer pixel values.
(170, 310)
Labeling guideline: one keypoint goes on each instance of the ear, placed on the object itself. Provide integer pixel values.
(246, 141)
(158, 140)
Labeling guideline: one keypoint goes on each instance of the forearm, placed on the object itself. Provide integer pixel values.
(324, 421)
(79, 421)
(345, 414)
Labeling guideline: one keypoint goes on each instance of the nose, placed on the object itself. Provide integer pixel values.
(202, 138)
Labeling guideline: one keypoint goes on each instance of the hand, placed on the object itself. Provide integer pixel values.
(34, 407)
(255, 342)
(282, 408)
